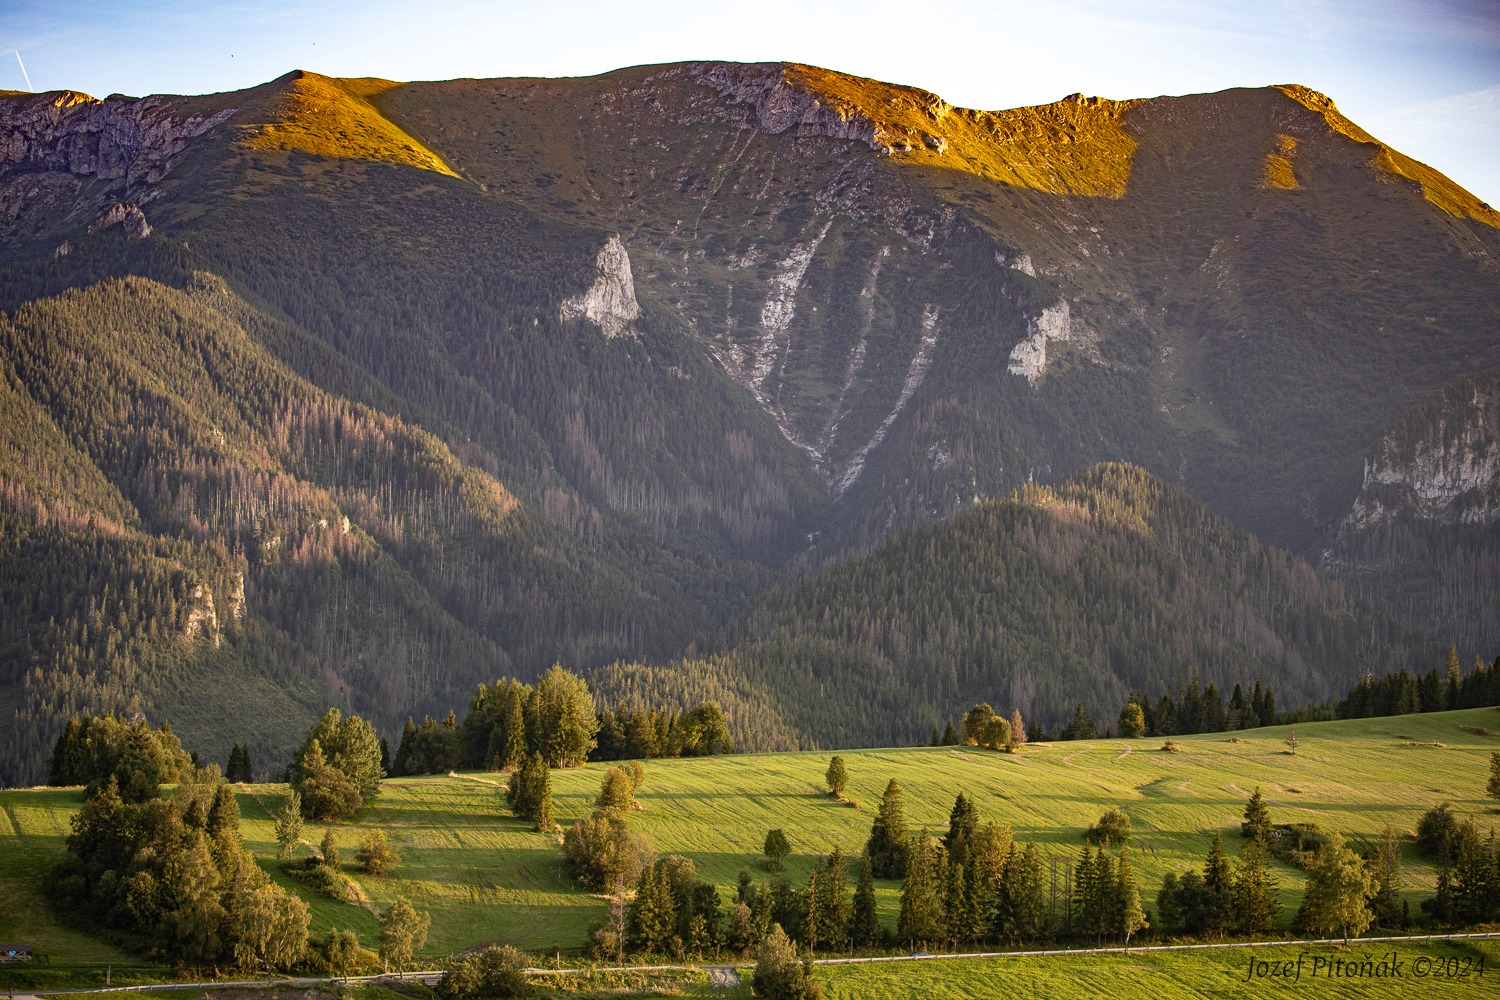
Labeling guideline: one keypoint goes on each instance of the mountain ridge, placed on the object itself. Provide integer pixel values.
(819, 346)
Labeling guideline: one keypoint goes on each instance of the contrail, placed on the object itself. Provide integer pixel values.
(24, 74)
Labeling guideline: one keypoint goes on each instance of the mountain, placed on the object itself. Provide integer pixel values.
(589, 365)
(1106, 583)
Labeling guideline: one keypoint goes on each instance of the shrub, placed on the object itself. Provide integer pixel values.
(1113, 827)
(493, 972)
(1437, 831)
(376, 856)
(779, 974)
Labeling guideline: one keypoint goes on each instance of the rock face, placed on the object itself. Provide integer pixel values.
(128, 216)
(1029, 357)
(609, 303)
(117, 138)
(777, 106)
(1442, 465)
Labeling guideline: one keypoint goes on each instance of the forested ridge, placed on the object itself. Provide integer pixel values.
(1105, 583)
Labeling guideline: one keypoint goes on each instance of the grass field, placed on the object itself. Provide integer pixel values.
(488, 878)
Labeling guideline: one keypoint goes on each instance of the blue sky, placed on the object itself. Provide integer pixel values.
(1423, 75)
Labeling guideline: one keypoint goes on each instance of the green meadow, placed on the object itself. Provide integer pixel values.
(486, 877)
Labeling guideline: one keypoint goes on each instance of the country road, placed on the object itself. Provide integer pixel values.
(728, 974)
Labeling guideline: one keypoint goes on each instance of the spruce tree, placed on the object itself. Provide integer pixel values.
(1081, 727)
(1084, 906)
(963, 824)
(1493, 788)
(653, 915)
(833, 905)
(1218, 880)
(1385, 902)
(864, 924)
(887, 846)
(513, 752)
(404, 749)
(922, 919)
(1257, 823)
(1013, 917)
(1256, 904)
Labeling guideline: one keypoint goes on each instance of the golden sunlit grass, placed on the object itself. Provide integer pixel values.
(1438, 189)
(336, 119)
(1277, 172)
(1075, 146)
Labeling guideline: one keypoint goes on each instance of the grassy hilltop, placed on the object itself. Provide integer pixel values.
(487, 878)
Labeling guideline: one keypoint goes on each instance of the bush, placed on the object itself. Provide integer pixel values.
(1437, 832)
(1298, 844)
(602, 851)
(1113, 827)
(493, 972)
(779, 974)
(375, 855)
(996, 735)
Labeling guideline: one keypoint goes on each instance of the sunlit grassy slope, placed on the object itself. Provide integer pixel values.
(486, 877)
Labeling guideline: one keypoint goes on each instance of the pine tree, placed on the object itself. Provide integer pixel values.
(1257, 823)
(864, 924)
(1132, 721)
(1131, 916)
(1493, 788)
(887, 847)
(950, 735)
(1021, 904)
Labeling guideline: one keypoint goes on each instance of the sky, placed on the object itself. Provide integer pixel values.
(1421, 75)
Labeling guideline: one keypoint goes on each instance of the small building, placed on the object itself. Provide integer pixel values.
(15, 952)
